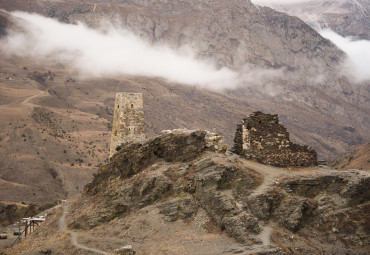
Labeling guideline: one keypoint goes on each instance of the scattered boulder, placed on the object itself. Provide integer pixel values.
(45, 252)
(125, 250)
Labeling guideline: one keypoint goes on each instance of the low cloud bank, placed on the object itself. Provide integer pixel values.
(358, 52)
(110, 52)
(113, 51)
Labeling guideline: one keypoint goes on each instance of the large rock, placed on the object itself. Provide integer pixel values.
(172, 146)
(292, 212)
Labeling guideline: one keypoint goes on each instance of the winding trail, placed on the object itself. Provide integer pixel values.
(269, 173)
(270, 176)
(32, 97)
(74, 235)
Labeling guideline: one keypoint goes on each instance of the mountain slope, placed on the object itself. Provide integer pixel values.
(359, 158)
(345, 17)
(61, 134)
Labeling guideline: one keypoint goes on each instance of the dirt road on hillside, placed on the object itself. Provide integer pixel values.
(74, 234)
(32, 97)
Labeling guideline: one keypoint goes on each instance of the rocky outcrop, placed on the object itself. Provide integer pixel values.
(196, 183)
(173, 146)
(176, 189)
(260, 136)
(180, 177)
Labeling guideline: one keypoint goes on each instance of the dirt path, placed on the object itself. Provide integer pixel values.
(32, 97)
(269, 173)
(74, 234)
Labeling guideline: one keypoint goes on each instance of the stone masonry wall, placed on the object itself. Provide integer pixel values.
(260, 136)
(128, 120)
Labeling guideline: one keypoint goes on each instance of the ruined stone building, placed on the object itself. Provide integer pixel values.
(128, 120)
(260, 136)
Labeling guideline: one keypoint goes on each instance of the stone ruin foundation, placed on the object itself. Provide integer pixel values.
(261, 137)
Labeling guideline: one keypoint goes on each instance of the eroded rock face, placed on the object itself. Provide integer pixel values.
(333, 204)
(260, 136)
(141, 175)
(172, 146)
(180, 177)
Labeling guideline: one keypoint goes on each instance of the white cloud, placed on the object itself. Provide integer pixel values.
(114, 51)
(358, 52)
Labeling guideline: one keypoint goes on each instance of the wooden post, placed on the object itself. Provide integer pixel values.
(26, 228)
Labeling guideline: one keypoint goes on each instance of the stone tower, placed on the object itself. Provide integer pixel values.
(260, 136)
(128, 120)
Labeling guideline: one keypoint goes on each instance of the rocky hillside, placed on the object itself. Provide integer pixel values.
(359, 158)
(345, 17)
(55, 126)
(179, 193)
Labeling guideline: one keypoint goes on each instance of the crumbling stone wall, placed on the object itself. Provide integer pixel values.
(260, 136)
(128, 120)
